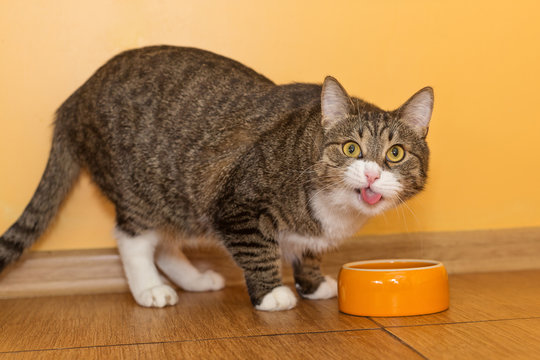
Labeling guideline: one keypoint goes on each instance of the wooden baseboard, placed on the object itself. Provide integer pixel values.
(64, 273)
(461, 252)
(100, 271)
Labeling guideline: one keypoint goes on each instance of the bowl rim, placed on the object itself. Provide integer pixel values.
(434, 264)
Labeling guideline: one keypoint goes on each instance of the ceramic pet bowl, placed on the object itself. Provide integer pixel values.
(393, 287)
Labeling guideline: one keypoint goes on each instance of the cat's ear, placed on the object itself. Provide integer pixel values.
(335, 103)
(417, 110)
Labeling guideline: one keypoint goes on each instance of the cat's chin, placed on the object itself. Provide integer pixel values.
(372, 210)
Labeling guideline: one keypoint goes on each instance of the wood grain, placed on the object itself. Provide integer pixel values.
(367, 344)
(100, 271)
(484, 296)
(510, 339)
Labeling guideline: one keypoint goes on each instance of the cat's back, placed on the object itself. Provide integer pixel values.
(153, 59)
(162, 69)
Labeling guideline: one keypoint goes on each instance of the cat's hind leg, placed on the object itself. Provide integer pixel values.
(310, 283)
(137, 254)
(172, 261)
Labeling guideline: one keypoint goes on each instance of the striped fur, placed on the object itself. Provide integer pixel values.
(189, 143)
(57, 180)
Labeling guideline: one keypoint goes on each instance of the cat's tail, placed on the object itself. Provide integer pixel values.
(61, 172)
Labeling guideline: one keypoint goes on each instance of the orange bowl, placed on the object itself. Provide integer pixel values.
(398, 287)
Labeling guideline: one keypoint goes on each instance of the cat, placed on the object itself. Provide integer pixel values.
(190, 145)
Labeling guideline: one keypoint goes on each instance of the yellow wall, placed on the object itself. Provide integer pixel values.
(482, 58)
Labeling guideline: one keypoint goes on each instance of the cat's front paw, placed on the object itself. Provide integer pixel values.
(158, 296)
(280, 298)
(326, 290)
(206, 281)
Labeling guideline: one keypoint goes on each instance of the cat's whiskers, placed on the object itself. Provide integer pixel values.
(421, 250)
(402, 211)
(384, 217)
(396, 207)
(324, 188)
(304, 171)
(409, 208)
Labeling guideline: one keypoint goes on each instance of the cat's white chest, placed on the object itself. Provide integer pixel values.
(338, 223)
(337, 214)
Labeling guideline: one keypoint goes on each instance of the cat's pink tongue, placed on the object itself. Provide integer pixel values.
(370, 196)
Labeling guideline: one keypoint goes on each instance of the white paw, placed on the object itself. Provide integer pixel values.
(206, 281)
(158, 296)
(327, 290)
(281, 298)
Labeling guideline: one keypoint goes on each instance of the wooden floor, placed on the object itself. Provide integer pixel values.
(491, 316)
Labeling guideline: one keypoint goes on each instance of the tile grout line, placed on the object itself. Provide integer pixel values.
(454, 323)
(400, 340)
(190, 340)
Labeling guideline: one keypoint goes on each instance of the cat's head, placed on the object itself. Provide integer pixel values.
(372, 159)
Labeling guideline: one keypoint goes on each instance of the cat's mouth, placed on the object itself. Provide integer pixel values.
(368, 195)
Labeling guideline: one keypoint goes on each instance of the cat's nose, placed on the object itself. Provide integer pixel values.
(371, 177)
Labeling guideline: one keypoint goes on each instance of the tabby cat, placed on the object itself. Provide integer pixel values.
(189, 145)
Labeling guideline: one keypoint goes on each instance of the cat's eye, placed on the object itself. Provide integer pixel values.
(395, 154)
(352, 149)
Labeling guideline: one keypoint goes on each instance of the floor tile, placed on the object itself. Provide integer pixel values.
(506, 339)
(91, 320)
